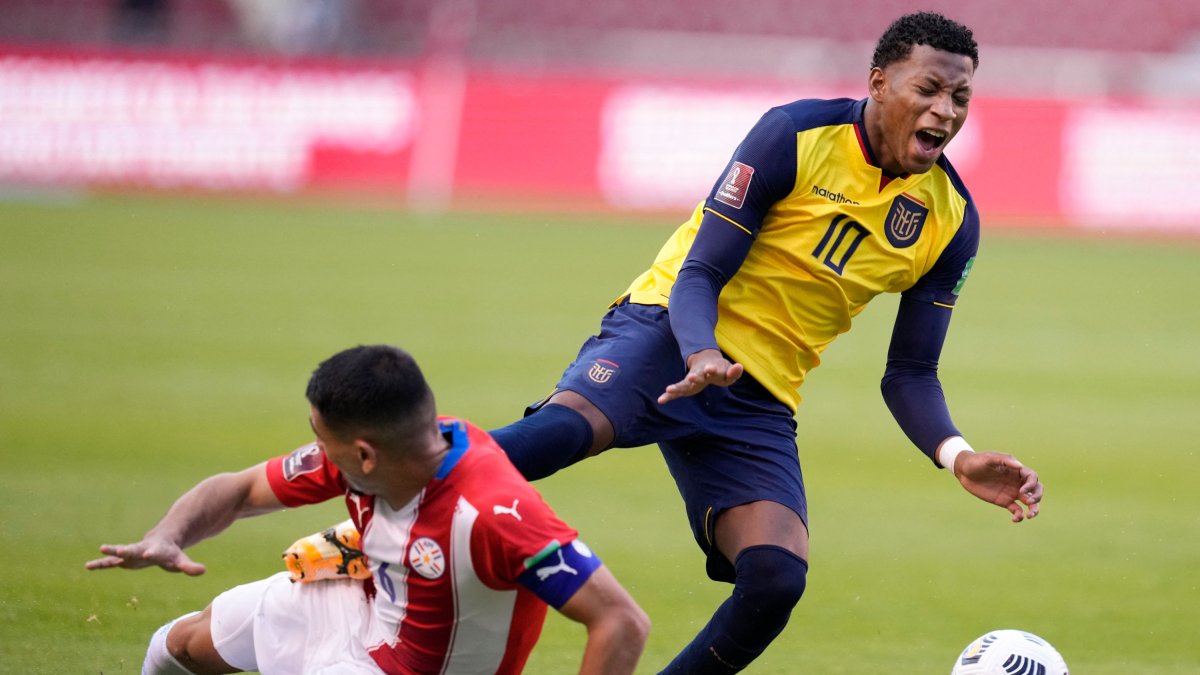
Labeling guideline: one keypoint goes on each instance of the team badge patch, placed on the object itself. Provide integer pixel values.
(426, 558)
(302, 460)
(603, 371)
(905, 220)
(737, 182)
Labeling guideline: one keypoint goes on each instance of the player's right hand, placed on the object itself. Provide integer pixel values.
(705, 367)
(1002, 480)
(146, 553)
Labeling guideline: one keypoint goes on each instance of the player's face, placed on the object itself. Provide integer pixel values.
(921, 104)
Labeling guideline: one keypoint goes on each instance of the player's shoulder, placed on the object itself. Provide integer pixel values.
(813, 113)
(954, 181)
(483, 467)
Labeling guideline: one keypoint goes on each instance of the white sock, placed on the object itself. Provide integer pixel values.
(158, 660)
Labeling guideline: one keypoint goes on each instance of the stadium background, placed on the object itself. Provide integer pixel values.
(201, 199)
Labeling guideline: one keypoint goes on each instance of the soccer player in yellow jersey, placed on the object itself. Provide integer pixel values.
(823, 206)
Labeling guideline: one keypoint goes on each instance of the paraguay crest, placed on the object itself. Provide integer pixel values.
(426, 558)
(905, 220)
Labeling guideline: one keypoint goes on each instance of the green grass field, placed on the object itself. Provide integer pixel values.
(147, 342)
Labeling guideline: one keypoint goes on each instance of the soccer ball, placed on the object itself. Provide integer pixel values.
(1009, 652)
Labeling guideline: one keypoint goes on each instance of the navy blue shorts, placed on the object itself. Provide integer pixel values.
(725, 447)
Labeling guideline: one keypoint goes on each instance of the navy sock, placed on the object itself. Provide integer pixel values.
(550, 439)
(770, 581)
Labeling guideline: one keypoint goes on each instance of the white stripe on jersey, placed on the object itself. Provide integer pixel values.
(386, 539)
(484, 614)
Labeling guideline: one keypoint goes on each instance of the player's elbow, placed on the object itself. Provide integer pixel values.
(627, 624)
(637, 624)
(629, 632)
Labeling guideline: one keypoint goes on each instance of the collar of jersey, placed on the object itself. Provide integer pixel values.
(456, 431)
(864, 143)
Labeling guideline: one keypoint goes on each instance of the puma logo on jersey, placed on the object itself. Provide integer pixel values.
(544, 573)
(362, 509)
(510, 510)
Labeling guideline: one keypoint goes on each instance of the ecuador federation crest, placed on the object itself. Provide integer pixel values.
(905, 220)
(603, 371)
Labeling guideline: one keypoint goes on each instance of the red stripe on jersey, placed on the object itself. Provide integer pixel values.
(429, 619)
(862, 145)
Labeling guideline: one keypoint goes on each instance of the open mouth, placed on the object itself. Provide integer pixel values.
(931, 139)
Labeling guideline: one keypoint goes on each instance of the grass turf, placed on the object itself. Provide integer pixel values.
(147, 342)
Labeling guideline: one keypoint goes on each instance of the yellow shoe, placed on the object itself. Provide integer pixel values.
(334, 553)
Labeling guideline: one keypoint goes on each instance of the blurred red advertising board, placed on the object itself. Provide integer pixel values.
(437, 134)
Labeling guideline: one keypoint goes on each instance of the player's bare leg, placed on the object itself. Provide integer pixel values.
(768, 546)
(190, 643)
(759, 523)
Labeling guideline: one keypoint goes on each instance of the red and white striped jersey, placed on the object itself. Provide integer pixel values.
(445, 567)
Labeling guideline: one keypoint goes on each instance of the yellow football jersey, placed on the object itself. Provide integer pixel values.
(830, 230)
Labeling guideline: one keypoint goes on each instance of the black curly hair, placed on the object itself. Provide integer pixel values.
(923, 28)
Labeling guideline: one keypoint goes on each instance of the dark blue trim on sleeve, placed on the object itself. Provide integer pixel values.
(559, 575)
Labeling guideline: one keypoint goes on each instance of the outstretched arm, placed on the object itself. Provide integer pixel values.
(765, 162)
(914, 395)
(719, 250)
(202, 512)
(616, 626)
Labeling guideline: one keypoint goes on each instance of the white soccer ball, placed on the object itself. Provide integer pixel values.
(1009, 652)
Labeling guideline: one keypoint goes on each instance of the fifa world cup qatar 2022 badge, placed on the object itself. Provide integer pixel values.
(302, 460)
(737, 182)
(905, 220)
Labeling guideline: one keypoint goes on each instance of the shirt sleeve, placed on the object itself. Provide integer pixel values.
(561, 573)
(761, 172)
(910, 383)
(944, 281)
(505, 547)
(304, 476)
(911, 388)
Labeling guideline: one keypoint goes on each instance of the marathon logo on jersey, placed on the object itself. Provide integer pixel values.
(302, 460)
(603, 371)
(737, 182)
(905, 220)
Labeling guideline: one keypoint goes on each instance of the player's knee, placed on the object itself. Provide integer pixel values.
(189, 642)
(771, 578)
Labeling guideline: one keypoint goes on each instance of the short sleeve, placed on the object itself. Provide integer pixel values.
(304, 476)
(761, 172)
(515, 530)
(560, 573)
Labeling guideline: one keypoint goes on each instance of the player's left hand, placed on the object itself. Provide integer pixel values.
(1002, 480)
(147, 553)
(705, 367)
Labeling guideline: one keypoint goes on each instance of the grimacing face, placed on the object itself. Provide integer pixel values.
(922, 104)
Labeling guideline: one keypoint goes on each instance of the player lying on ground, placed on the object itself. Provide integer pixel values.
(824, 205)
(464, 555)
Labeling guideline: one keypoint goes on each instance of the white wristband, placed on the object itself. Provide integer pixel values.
(950, 449)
